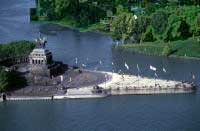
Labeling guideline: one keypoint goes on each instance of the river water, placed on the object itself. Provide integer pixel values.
(160, 112)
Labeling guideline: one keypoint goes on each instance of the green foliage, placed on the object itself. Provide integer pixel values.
(89, 14)
(84, 12)
(122, 26)
(189, 47)
(66, 7)
(148, 36)
(46, 8)
(3, 81)
(140, 26)
(170, 20)
(10, 80)
(159, 23)
(167, 50)
(174, 23)
(151, 8)
(16, 48)
(33, 14)
(197, 30)
(177, 28)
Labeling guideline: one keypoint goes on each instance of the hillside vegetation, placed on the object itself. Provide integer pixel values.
(10, 80)
(137, 22)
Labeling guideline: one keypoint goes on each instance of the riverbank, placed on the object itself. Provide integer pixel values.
(189, 49)
(72, 24)
(184, 49)
(113, 84)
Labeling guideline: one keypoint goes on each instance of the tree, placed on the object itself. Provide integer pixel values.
(64, 7)
(3, 80)
(167, 50)
(122, 26)
(148, 36)
(46, 8)
(146, 3)
(11, 80)
(159, 23)
(140, 26)
(184, 29)
(172, 2)
(197, 31)
(177, 28)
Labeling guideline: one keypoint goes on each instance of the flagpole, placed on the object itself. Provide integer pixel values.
(138, 80)
(155, 80)
(138, 75)
(105, 80)
(153, 69)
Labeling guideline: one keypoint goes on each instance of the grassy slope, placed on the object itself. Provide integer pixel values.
(71, 23)
(186, 48)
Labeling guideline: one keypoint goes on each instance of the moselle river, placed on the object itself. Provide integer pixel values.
(160, 112)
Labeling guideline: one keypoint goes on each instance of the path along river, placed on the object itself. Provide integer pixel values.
(160, 112)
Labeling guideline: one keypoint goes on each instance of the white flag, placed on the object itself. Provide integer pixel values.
(76, 60)
(138, 67)
(164, 70)
(152, 68)
(61, 78)
(127, 67)
(83, 65)
(193, 76)
(135, 17)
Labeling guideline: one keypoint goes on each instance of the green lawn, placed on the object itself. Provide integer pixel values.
(186, 48)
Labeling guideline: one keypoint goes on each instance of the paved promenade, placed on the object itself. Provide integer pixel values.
(134, 82)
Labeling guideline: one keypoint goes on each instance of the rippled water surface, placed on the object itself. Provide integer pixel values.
(160, 112)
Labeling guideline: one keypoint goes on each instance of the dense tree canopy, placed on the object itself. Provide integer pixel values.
(10, 80)
(165, 24)
(131, 20)
(16, 48)
(122, 26)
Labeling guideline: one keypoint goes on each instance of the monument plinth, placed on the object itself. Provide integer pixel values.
(41, 61)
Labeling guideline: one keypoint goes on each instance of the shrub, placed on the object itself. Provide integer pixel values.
(3, 80)
(10, 80)
(177, 29)
(16, 48)
(167, 50)
(148, 36)
(33, 14)
(140, 27)
(159, 23)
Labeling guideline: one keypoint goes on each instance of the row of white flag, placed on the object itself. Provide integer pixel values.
(151, 67)
(126, 65)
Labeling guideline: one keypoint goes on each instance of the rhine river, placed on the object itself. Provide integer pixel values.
(127, 113)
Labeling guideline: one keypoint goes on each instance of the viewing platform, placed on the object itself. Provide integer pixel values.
(117, 84)
(130, 84)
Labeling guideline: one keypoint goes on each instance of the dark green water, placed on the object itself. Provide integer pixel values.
(160, 112)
